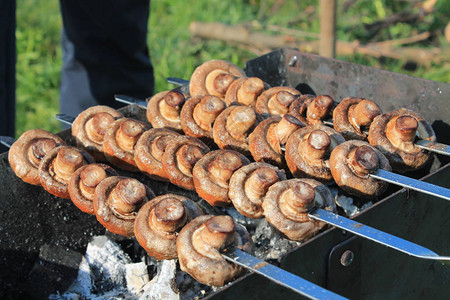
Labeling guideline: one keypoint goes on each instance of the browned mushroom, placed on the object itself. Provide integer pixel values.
(27, 152)
(90, 126)
(249, 185)
(311, 109)
(181, 154)
(308, 151)
(276, 100)
(266, 141)
(352, 117)
(351, 163)
(213, 78)
(198, 115)
(394, 134)
(117, 200)
(163, 109)
(149, 150)
(159, 221)
(83, 182)
(57, 167)
(199, 244)
(119, 142)
(245, 91)
(232, 127)
(212, 174)
(287, 204)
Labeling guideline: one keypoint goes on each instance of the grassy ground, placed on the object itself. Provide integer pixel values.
(175, 53)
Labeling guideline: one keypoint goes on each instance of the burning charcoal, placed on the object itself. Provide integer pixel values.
(190, 288)
(161, 286)
(250, 224)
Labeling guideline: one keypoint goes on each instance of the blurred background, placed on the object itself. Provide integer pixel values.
(405, 36)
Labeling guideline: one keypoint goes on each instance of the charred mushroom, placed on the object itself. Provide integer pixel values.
(163, 110)
(117, 200)
(353, 116)
(150, 149)
(199, 244)
(90, 126)
(249, 185)
(232, 127)
(245, 91)
(213, 78)
(308, 151)
(351, 163)
(311, 109)
(268, 138)
(160, 220)
(57, 167)
(27, 152)
(198, 115)
(119, 142)
(276, 100)
(83, 182)
(287, 204)
(212, 174)
(394, 134)
(181, 154)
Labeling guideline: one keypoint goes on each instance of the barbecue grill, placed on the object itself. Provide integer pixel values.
(350, 266)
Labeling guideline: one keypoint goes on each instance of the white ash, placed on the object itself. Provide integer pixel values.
(249, 223)
(162, 285)
(347, 203)
(137, 277)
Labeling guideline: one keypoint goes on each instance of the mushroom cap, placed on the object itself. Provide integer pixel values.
(108, 216)
(93, 175)
(263, 105)
(98, 118)
(181, 149)
(404, 156)
(251, 87)
(238, 188)
(342, 122)
(154, 115)
(158, 243)
(211, 270)
(212, 189)
(50, 180)
(115, 154)
(37, 142)
(149, 149)
(301, 163)
(344, 174)
(304, 227)
(302, 110)
(299, 106)
(198, 81)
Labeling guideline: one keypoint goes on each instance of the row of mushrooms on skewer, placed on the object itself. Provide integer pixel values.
(266, 124)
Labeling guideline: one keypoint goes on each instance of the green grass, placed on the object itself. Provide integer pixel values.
(175, 53)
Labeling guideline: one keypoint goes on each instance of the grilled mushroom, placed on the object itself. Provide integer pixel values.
(163, 110)
(308, 151)
(245, 91)
(27, 152)
(119, 142)
(232, 127)
(199, 244)
(90, 126)
(287, 204)
(249, 185)
(276, 100)
(213, 78)
(198, 115)
(352, 117)
(159, 221)
(394, 134)
(117, 200)
(311, 109)
(351, 163)
(266, 141)
(212, 174)
(57, 167)
(83, 182)
(149, 150)
(181, 154)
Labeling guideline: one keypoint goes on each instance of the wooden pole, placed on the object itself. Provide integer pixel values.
(327, 46)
